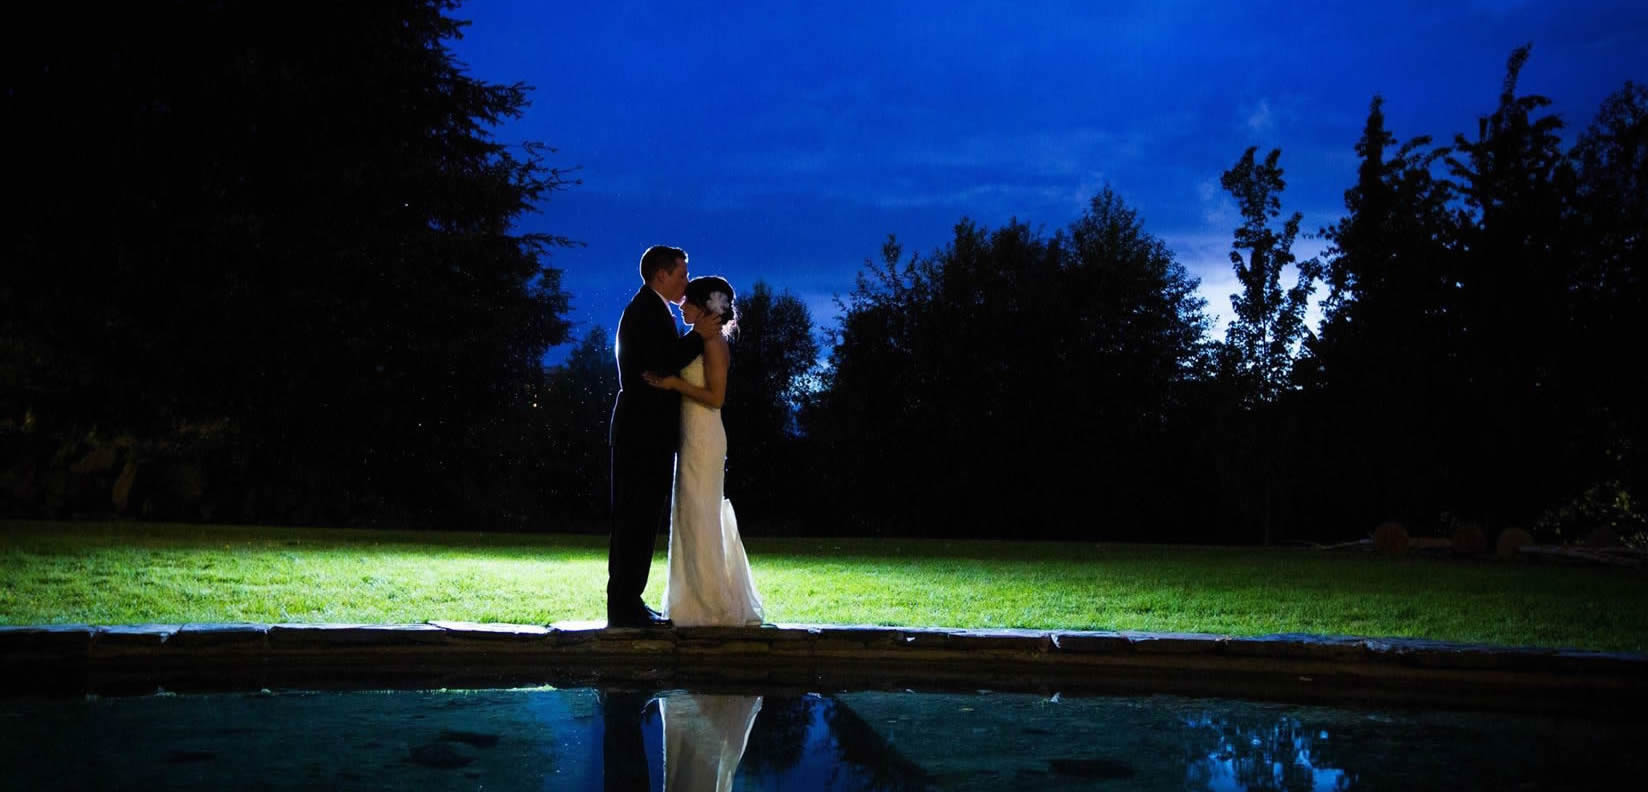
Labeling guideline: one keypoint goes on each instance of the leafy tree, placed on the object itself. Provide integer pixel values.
(1135, 304)
(1133, 347)
(1256, 359)
(1012, 378)
(1268, 324)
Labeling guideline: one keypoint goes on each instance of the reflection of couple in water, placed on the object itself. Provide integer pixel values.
(704, 737)
(802, 742)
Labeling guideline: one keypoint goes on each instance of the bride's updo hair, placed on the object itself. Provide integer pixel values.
(714, 295)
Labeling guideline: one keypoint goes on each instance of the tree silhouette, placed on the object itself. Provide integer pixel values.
(295, 228)
(1267, 324)
(1610, 293)
(1512, 310)
(1132, 350)
(773, 352)
(1468, 367)
(1256, 359)
(1382, 363)
(1012, 379)
(576, 415)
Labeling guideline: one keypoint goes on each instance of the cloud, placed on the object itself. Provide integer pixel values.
(1218, 210)
(995, 195)
(990, 171)
(1260, 120)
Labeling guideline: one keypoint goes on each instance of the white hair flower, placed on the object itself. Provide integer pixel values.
(718, 302)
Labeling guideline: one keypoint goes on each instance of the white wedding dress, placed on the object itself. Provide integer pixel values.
(709, 575)
(704, 737)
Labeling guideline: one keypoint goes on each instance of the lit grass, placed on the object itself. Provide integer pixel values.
(114, 573)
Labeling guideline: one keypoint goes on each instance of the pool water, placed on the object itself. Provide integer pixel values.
(584, 738)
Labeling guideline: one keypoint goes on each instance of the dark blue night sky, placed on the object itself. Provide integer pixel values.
(784, 141)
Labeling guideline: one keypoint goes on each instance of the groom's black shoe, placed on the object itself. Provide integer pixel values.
(646, 617)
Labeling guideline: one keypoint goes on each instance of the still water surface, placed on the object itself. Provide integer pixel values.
(583, 738)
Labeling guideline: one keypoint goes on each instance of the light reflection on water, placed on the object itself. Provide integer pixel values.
(544, 738)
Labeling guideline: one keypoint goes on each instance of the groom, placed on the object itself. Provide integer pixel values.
(646, 430)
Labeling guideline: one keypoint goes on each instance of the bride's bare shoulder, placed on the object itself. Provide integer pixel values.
(717, 354)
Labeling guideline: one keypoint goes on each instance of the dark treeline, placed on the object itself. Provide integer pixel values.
(1480, 361)
(262, 268)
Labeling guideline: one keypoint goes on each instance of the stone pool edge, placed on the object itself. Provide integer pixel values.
(1291, 665)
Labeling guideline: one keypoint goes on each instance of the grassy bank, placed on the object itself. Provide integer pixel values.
(112, 573)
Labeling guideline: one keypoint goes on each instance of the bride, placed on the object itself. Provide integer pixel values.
(709, 576)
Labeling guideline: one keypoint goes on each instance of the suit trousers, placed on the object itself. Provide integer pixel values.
(643, 476)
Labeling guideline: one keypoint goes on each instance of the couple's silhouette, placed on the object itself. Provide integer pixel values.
(669, 453)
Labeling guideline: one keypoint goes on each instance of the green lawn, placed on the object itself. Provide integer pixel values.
(121, 573)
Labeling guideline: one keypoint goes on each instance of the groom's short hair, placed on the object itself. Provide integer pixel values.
(660, 257)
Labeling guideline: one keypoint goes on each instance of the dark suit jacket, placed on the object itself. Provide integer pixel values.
(646, 417)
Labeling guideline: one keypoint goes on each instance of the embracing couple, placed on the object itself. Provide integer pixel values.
(669, 453)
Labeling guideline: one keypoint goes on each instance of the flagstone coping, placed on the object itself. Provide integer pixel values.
(1033, 651)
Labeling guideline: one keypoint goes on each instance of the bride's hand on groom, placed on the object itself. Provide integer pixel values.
(708, 325)
(661, 382)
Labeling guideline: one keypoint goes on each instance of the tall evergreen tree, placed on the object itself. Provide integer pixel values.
(1386, 353)
(1511, 310)
(294, 226)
